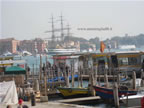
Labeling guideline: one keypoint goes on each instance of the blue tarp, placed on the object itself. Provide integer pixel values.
(61, 78)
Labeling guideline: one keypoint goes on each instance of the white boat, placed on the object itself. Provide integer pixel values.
(62, 51)
(7, 54)
(123, 47)
(25, 53)
(134, 100)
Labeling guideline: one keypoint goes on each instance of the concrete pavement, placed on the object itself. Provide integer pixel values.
(48, 105)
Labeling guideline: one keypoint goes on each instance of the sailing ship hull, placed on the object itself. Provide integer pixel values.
(73, 92)
(62, 51)
(107, 93)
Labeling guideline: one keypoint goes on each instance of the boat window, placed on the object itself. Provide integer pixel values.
(101, 58)
(101, 66)
(128, 61)
(123, 61)
(114, 60)
(94, 59)
(132, 60)
(142, 58)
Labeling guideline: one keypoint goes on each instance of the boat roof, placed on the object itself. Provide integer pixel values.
(11, 61)
(102, 54)
(6, 57)
(70, 54)
(123, 52)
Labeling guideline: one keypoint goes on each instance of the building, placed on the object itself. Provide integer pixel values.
(32, 45)
(8, 45)
(40, 45)
(27, 45)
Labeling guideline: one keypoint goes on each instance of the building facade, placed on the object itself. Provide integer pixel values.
(33, 45)
(8, 45)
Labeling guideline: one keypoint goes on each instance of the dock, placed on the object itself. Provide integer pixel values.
(80, 100)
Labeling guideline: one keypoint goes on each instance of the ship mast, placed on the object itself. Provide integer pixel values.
(53, 31)
(62, 34)
(53, 41)
(61, 29)
(68, 32)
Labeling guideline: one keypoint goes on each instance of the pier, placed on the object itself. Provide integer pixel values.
(80, 100)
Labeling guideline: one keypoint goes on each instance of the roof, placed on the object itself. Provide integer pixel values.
(15, 70)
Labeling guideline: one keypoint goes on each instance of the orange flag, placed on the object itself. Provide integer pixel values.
(102, 46)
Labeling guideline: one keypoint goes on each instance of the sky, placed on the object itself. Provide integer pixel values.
(23, 19)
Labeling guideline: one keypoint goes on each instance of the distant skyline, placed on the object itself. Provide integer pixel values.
(30, 19)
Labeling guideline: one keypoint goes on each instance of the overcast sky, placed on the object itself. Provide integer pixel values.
(30, 19)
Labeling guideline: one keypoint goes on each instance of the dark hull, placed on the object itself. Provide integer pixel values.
(107, 93)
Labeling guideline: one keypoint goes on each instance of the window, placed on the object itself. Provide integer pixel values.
(101, 58)
(132, 60)
(128, 61)
(123, 61)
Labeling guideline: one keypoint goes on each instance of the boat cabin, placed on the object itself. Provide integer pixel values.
(117, 62)
(4, 62)
(129, 61)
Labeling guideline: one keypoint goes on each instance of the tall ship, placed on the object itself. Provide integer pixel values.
(61, 44)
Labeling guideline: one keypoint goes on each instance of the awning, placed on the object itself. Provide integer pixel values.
(15, 70)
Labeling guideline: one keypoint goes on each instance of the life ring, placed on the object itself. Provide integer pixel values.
(70, 90)
(142, 102)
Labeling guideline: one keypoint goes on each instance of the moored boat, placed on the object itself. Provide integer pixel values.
(134, 100)
(107, 93)
(73, 92)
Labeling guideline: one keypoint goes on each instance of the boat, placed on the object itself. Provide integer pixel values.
(123, 62)
(107, 93)
(9, 61)
(7, 54)
(26, 53)
(127, 47)
(73, 92)
(134, 100)
(61, 51)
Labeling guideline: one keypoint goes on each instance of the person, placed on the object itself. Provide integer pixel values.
(20, 102)
(9, 106)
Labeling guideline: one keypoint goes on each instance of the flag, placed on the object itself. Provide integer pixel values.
(102, 46)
